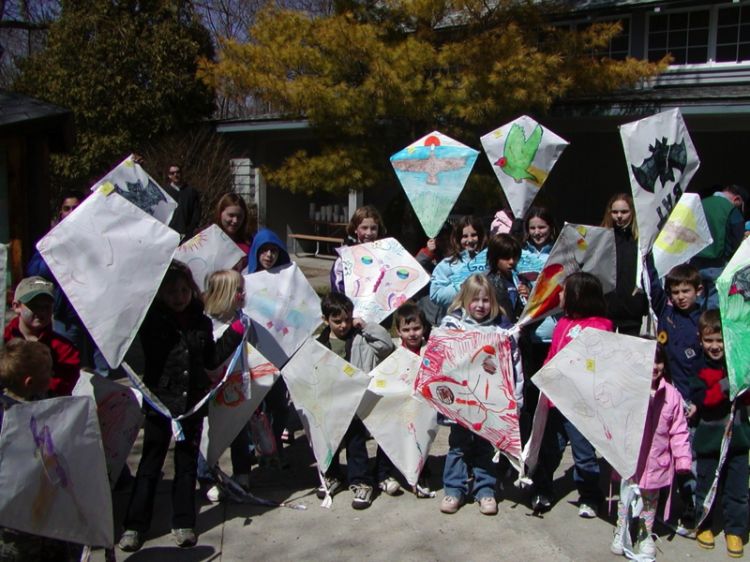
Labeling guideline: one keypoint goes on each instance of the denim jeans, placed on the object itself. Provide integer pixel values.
(355, 441)
(586, 466)
(467, 450)
(732, 494)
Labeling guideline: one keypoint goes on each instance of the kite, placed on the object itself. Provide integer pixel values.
(379, 276)
(284, 309)
(131, 181)
(661, 161)
(601, 382)
(522, 154)
(433, 172)
(208, 251)
(578, 248)
(118, 409)
(733, 286)
(684, 234)
(109, 258)
(326, 391)
(402, 425)
(53, 473)
(453, 379)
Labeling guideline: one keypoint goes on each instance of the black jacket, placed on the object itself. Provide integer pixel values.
(187, 215)
(625, 307)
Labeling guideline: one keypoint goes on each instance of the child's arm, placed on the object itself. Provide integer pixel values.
(442, 290)
(679, 438)
(218, 352)
(377, 338)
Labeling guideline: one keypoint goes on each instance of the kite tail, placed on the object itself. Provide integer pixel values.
(238, 494)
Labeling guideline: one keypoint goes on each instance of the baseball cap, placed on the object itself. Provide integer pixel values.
(31, 287)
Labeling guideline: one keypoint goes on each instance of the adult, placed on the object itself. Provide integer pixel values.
(724, 214)
(232, 216)
(187, 215)
(626, 305)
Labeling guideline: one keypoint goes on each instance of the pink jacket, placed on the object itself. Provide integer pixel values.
(567, 329)
(665, 447)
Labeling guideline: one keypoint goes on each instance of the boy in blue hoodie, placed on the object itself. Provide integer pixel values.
(267, 251)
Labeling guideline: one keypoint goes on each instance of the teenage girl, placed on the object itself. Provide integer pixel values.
(366, 225)
(178, 347)
(467, 240)
(583, 306)
(231, 215)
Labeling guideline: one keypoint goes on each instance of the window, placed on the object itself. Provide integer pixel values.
(733, 34)
(619, 46)
(683, 34)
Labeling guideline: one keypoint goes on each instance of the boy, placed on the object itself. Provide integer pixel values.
(503, 253)
(364, 345)
(25, 368)
(32, 304)
(710, 397)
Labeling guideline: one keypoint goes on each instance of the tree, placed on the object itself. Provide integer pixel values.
(373, 76)
(127, 70)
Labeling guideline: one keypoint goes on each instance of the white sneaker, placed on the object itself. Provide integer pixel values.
(647, 547)
(617, 541)
(214, 494)
(586, 511)
(390, 486)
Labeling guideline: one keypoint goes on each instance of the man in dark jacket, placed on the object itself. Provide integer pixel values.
(187, 215)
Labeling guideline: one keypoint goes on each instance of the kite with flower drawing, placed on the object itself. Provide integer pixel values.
(208, 251)
(433, 172)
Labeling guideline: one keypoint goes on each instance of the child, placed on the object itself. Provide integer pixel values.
(32, 304)
(503, 252)
(665, 449)
(583, 306)
(25, 374)
(710, 397)
(474, 306)
(364, 345)
(467, 240)
(366, 225)
(231, 215)
(224, 299)
(178, 347)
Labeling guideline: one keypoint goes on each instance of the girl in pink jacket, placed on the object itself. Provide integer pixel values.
(665, 450)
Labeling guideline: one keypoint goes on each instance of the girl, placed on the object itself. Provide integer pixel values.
(665, 449)
(231, 215)
(467, 240)
(366, 225)
(503, 252)
(626, 305)
(224, 298)
(583, 306)
(178, 346)
(474, 306)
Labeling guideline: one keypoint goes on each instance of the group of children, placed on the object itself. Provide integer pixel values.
(188, 337)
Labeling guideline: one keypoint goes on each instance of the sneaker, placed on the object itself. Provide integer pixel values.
(734, 546)
(541, 503)
(214, 494)
(422, 490)
(488, 506)
(450, 504)
(706, 539)
(390, 486)
(586, 511)
(184, 538)
(362, 496)
(130, 541)
(617, 546)
(647, 547)
(333, 484)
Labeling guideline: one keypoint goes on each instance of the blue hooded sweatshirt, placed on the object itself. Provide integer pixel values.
(266, 236)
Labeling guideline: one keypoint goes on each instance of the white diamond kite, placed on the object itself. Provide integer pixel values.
(601, 382)
(661, 161)
(53, 474)
(284, 308)
(578, 248)
(131, 181)
(402, 425)
(208, 251)
(109, 257)
(326, 391)
(433, 172)
(453, 379)
(522, 154)
(684, 234)
(379, 276)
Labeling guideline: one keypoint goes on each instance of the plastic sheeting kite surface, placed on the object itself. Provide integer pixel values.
(601, 382)
(661, 161)
(433, 172)
(53, 473)
(109, 257)
(522, 154)
(208, 251)
(402, 425)
(379, 276)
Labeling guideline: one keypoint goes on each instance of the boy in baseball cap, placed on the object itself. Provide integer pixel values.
(32, 304)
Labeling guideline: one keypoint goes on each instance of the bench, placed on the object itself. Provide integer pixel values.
(317, 239)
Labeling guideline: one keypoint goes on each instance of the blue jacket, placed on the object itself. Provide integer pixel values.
(450, 273)
(266, 236)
